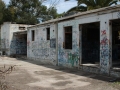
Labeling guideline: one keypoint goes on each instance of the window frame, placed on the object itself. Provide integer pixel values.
(67, 32)
(48, 35)
(32, 35)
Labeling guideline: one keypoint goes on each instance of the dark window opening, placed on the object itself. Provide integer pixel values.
(3, 53)
(91, 43)
(33, 35)
(21, 28)
(48, 33)
(116, 44)
(68, 37)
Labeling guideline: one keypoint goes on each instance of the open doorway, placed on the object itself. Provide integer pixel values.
(19, 44)
(91, 44)
(116, 44)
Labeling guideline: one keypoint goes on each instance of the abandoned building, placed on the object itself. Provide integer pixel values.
(13, 39)
(41, 42)
(89, 41)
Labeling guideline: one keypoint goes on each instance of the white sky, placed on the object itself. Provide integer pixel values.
(61, 5)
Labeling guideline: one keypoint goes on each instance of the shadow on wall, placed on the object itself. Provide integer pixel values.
(19, 44)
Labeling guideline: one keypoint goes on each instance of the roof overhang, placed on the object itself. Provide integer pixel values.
(20, 32)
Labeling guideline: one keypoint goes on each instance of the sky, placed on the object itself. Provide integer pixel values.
(61, 5)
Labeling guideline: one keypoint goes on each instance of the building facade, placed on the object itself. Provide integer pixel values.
(14, 39)
(41, 43)
(89, 41)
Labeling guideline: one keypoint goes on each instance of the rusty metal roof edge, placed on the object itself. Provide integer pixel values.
(78, 14)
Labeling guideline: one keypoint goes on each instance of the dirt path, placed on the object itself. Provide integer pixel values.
(29, 75)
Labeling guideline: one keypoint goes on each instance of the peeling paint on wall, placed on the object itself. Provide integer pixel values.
(70, 57)
(18, 46)
(41, 49)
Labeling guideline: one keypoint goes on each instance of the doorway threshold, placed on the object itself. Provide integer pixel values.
(91, 65)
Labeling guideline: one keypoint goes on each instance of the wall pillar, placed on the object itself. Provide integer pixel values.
(80, 44)
(105, 46)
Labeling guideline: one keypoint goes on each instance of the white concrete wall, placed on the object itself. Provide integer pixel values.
(18, 46)
(8, 40)
(40, 49)
(66, 58)
(5, 35)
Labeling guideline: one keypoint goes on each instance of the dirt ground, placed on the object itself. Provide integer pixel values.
(31, 75)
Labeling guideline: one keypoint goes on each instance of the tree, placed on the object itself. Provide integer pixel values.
(84, 5)
(9, 14)
(2, 7)
(28, 12)
(25, 11)
(95, 4)
(51, 13)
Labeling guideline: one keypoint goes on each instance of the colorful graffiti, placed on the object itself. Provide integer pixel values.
(73, 59)
(105, 52)
(18, 46)
(70, 57)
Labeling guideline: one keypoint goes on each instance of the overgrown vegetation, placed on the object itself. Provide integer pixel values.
(26, 12)
(84, 5)
(4, 71)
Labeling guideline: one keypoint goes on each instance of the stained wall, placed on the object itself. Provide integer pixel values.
(18, 44)
(68, 57)
(73, 57)
(10, 44)
(5, 42)
(105, 37)
(41, 49)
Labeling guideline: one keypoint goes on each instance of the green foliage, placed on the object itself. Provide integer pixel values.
(25, 11)
(84, 5)
(51, 13)
(78, 9)
(28, 12)
(2, 7)
(95, 4)
(9, 15)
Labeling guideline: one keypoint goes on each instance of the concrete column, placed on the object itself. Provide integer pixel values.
(80, 43)
(105, 46)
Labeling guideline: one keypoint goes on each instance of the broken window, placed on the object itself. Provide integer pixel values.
(21, 28)
(68, 37)
(33, 35)
(48, 33)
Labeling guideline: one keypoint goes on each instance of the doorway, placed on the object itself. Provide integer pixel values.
(90, 44)
(116, 44)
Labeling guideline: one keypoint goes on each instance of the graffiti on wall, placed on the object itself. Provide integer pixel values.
(53, 43)
(18, 46)
(73, 59)
(118, 14)
(5, 43)
(42, 50)
(69, 57)
(104, 51)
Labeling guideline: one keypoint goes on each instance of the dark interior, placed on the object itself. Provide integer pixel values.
(19, 44)
(116, 43)
(91, 43)
(68, 37)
